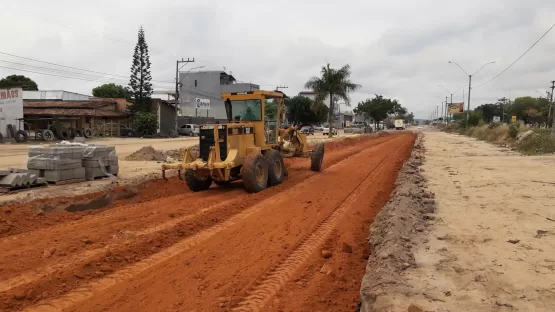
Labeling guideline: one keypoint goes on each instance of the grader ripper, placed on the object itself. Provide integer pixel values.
(249, 147)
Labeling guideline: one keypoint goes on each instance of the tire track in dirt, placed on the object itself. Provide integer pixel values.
(333, 157)
(272, 283)
(37, 273)
(127, 273)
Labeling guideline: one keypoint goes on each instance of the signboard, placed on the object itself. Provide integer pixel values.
(11, 108)
(496, 119)
(513, 119)
(202, 103)
(456, 108)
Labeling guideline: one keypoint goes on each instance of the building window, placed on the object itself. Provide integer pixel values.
(195, 83)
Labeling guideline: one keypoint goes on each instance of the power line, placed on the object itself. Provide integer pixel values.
(537, 41)
(92, 80)
(86, 70)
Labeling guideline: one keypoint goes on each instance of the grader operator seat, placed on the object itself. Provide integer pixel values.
(246, 148)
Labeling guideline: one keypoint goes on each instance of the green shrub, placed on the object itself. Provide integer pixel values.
(494, 125)
(539, 142)
(145, 123)
(513, 130)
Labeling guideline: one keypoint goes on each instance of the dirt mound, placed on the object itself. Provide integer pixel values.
(177, 154)
(393, 235)
(146, 153)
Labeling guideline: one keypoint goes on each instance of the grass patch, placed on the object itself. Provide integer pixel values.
(537, 143)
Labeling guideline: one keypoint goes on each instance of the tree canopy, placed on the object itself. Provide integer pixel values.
(380, 108)
(15, 81)
(301, 110)
(139, 83)
(111, 90)
(334, 84)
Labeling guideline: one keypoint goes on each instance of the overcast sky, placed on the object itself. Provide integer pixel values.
(396, 48)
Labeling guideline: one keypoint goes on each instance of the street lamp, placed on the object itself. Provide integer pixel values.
(470, 84)
(188, 73)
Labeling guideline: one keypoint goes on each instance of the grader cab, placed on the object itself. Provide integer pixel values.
(249, 147)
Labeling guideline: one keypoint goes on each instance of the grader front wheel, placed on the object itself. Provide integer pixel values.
(317, 157)
(255, 173)
(196, 184)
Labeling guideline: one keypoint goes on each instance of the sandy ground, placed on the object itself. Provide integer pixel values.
(130, 172)
(298, 246)
(491, 243)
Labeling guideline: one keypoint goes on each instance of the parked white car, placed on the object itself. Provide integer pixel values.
(189, 129)
(318, 128)
(326, 131)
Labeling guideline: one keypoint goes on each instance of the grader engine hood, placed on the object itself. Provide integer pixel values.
(206, 135)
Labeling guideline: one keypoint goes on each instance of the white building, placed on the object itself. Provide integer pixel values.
(54, 95)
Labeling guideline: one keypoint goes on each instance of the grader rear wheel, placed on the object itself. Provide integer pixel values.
(276, 167)
(255, 173)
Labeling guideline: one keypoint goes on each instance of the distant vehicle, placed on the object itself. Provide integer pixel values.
(352, 129)
(189, 130)
(420, 127)
(318, 128)
(126, 132)
(326, 131)
(307, 130)
(399, 124)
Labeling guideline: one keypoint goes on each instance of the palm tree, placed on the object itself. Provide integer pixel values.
(335, 84)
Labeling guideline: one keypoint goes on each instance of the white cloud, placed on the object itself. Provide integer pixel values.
(396, 48)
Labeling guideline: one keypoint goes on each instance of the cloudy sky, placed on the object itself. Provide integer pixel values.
(396, 48)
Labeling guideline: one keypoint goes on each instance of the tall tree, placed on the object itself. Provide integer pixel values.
(380, 108)
(110, 90)
(334, 84)
(301, 110)
(19, 81)
(139, 84)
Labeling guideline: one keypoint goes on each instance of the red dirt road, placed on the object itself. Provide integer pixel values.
(167, 249)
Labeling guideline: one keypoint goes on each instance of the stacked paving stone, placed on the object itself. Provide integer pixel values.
(72, 161)
(18, 178)
(100, 161)
(57, 162)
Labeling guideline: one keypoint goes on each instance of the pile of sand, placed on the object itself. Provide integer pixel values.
(147, 153)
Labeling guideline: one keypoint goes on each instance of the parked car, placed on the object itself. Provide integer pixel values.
(307, 130)
(318, 128)
(353, 130)
(189, 130)
(326, 131)
(126, 132)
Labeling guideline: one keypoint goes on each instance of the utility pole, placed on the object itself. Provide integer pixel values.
(446, 106)
(553, 125)
(281, 87)
(177, 68)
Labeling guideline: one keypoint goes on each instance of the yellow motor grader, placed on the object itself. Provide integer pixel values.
(249, 147)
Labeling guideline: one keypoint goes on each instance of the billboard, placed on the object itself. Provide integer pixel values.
(11, 108)
(455, 108)
(202, 103)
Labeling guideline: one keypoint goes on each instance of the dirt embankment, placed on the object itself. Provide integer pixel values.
(394, 235)
(136, 253)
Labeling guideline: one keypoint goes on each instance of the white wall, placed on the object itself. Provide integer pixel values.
(11, 108)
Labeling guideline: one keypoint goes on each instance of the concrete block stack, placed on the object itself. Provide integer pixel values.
(57, 162)
(19, 178)
(100, 161)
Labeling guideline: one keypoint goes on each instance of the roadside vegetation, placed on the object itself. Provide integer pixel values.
(530, 133)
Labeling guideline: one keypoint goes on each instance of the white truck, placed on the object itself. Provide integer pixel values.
(399, 124)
